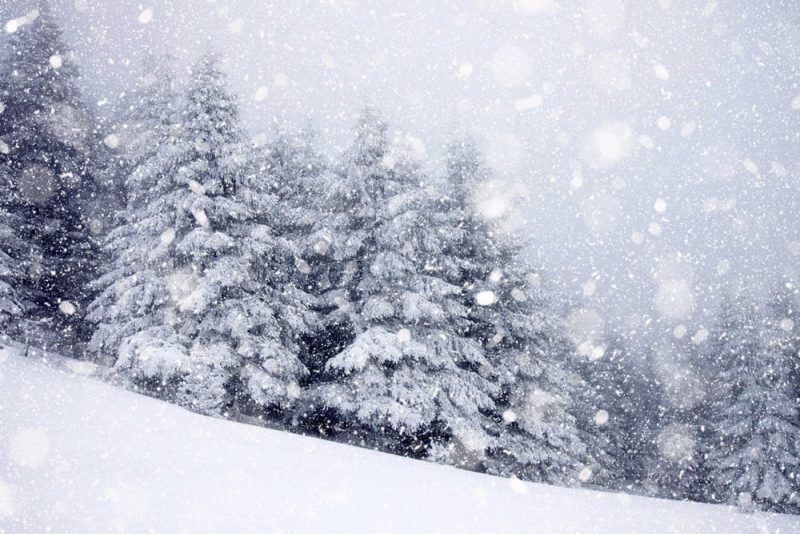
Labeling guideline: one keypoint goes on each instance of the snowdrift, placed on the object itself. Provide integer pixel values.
(78, 455)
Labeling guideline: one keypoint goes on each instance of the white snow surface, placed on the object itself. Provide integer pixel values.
(78, 455)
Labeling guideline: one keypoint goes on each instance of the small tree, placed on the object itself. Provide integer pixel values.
(12, 248)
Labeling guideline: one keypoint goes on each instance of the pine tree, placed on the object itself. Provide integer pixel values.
(780, 421)
(128, 137)
(46, 135)
(671, 419)
(539, 390)
(675, 466)
(752, 417)
(523, 339)
(133, 271)
(408, 381)
(190, 308)
(615, 415)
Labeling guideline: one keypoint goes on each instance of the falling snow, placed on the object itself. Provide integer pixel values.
(145, 16)
(549, 241)
(485, 298)
(609, 145)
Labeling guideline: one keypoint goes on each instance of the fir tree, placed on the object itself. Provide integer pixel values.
(188, 308)
(134, 271)
(46, 134)
(293, 169)
(130, 135)
(409, 381)
(615, 415)
(539, 390)
(521, 335)
(753, 451)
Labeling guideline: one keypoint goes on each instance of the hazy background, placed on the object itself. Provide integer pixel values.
(650, 148)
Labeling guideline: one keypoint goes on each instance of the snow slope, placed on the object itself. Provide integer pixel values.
(77, 455)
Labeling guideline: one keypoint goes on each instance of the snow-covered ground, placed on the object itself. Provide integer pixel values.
(78, 455)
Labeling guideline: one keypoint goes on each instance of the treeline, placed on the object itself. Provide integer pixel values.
(362, 299)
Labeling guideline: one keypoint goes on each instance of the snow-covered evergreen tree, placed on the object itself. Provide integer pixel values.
(133, 129)
(753, 451)
(293, 168)
(147, 175)
(295, 174)
(670, 419)
(521, 334)
(15, 259)
(616, 415)
(409, 380)
(128, 137)
(675, 467)
(45, 147)
(539, 389)
(188, 309)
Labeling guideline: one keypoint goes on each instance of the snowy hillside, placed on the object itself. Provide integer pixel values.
(80, 456)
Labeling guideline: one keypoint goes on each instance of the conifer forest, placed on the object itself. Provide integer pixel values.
(550, 242)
